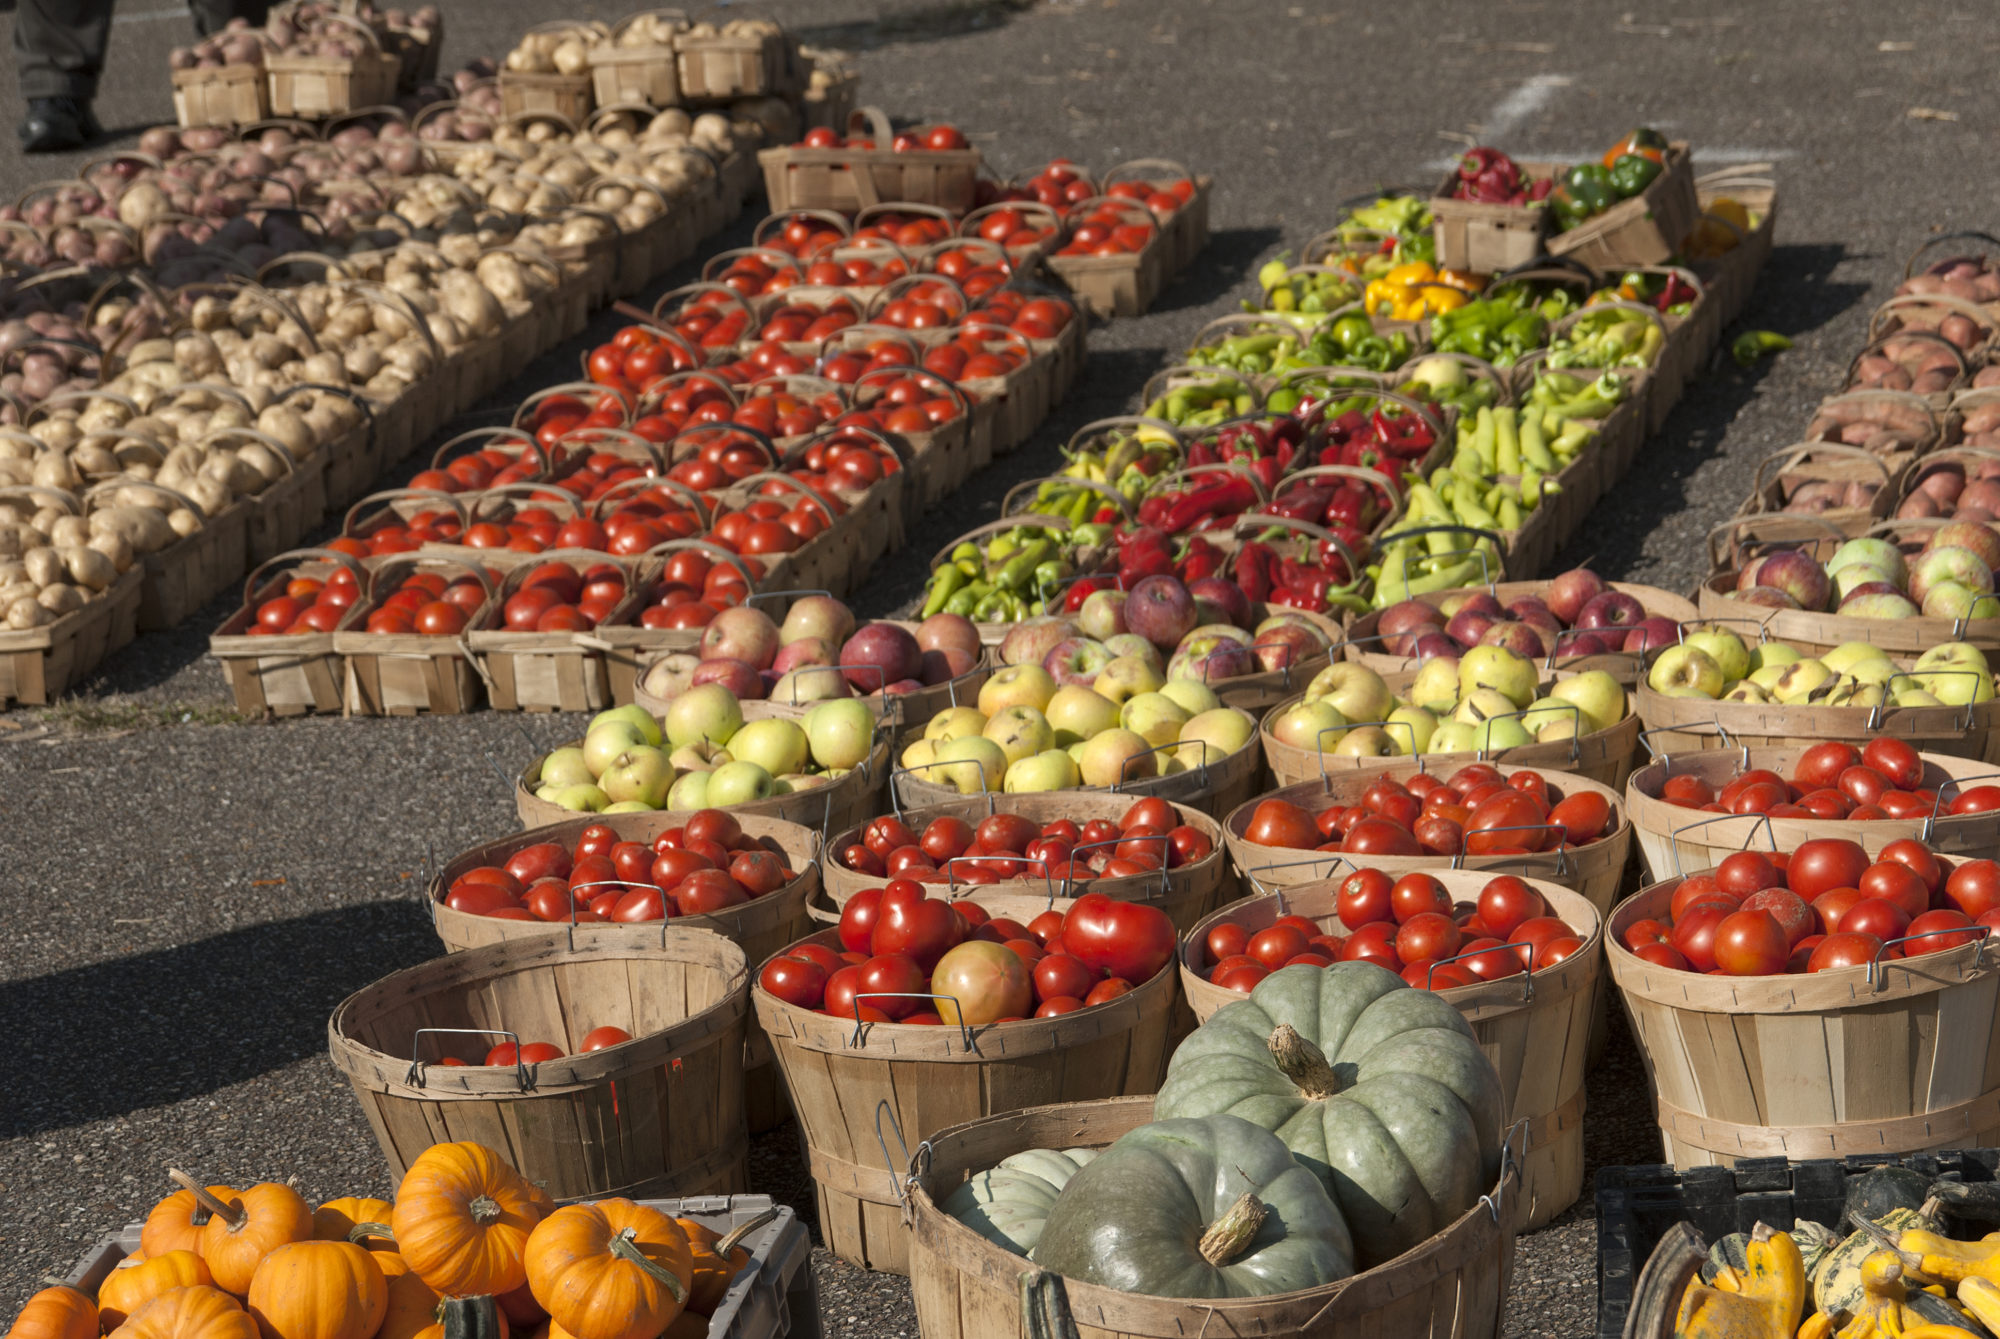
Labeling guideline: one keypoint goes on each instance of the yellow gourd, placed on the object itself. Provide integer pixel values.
(1763, 1300)
(1981, 1296)
(1818, 1325)
(1952, 1261)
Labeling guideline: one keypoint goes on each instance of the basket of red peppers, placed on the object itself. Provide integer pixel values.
(1299, 565)
(1487, 216)
(1374, 429)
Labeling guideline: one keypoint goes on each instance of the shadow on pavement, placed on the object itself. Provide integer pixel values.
(155, 1028)
(1221, 267)
(927, 23)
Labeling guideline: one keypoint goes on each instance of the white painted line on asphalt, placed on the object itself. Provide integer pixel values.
(148, 16)
(1521, 104)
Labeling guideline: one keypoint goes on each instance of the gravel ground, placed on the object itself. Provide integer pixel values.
(168, 966)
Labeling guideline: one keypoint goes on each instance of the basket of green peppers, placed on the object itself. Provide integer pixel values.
(1013, 569)
(1307, 291)
(1250, 345)
(1127, 453)
(1199, 397)
(1636, 205)
(1074, 499)
(1465, 383)
(1420, 556)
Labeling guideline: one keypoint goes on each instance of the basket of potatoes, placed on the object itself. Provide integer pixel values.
(69, 590)
(549, 70)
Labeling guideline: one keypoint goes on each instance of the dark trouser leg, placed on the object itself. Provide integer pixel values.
(59, 46)
(211, 15)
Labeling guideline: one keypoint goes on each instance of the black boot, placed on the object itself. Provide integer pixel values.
(55, 125)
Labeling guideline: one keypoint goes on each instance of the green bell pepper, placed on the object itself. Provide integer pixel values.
(1631, 174)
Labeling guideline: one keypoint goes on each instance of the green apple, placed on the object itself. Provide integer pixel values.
(1116, 755)
(1451, 737)
(739, 783)
(1502, 732)
(700, 756)
(1308, 725)
(1155, 717)
(1021, 732)
(1724, 647)
(690, 792)
(1017, 686)
(1870, 552)
(1125, 677)
(1686, 671)
(1355, 691)
(1193, 696)
(1955, 673)
(1746, 691)
(578, 799)
(1215, 734)
(1411, 728)
(1843, 658)
(1873, 671)
(1916, 697)
(1366, 741)
(840, 732)
(1766, 654)
(566, 767)
(955, 722)
(603, 745)
(1051, 769)
(969, 765)
(709, 712)
(1546, 713)
(1435, 688)
(1596, 694)
(1953, 655)
(777, 745)
(1497, 668)
(640, 775)
(920, 754)
(649, 729)
(1798, 682)
(1483, 704)
(1076, 713)
(629, 807)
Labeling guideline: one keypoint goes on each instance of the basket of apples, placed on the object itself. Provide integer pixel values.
(1491, 702)
(1714, 688)
(1062, 843)
(1815, 1002)
(1559, 828)
(1518, 957)
(1579, 621)
(943, 1012)
(1745, 797)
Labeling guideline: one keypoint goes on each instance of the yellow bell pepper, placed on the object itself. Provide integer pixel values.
(1465, 281)
(1434, 298)
(1411, 273)
(1712, 234)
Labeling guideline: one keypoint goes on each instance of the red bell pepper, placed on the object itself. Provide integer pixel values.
(1228, 495)
(1405, 436)
(1202, 559)
(1253, 570)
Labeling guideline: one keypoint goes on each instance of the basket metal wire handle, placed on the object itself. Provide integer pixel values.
(524, 1073)
(1674, 837)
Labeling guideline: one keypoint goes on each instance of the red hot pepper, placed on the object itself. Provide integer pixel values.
(1405, 436)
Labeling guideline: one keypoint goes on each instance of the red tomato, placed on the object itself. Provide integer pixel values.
(1663, 955)
(1895, 760)
(1863, 785)
(1750, 943)
(1914, 854)
(1931, 932)
(797, 982)
(1786, 907)
(1122, 939)
(1428, 936)
(1898, 885)
(1694, 934)
(532, 1053)
(1274, 947)
(598, 1038)
(1226, 940)
(1506, 901)
(1825, 863)
(1583, 817)
(1874, 916)
(1745, 872)
(1060, 975)
(1363, 898)
(1821, 765)
(857, 919)
(1844, 950)
(1974, 887)
(1281, 823)
(1415, 894)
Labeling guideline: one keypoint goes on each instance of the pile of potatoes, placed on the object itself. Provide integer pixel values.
(1965, 489)
(1882, 426)
(1823, 495)
(1967, 278)
(555, 49)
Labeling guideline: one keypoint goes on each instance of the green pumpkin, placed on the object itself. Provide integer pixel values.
(1837, 1283)
(1390, 1102)
(1007, 1204)
(1209, 1207)
(1880, 1189)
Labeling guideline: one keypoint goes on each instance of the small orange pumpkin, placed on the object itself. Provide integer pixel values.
(190, 1313)
(610, 1270)
(58, 1312)
(336, 1220)
(462, 1219)
(412, 1306)
(713, 1269)
(175, 1223)
(131, 1286)
(241, 1231)
(319, 1290)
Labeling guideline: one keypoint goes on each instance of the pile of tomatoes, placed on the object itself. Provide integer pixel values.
(909, 958)
(940, 138)
(1061, 184)
(693, 588)
(309, 604)
(556, 597)
(707, 865)
(1108, 228)
(1150, 836)
(1834, 781)
(1409, 925)
(508, 1053)
(428, 604)
(1477, 810)
(1827, 904)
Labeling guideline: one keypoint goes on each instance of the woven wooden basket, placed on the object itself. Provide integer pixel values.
(408, 674)
(848, 180)
(1644, 230)
(1687, 724)
(1535, 1029)
(232, 95)
(190, 572)
(966, 1287)
(293, 675)
(545, 671)
(321, 86)
(38, 665)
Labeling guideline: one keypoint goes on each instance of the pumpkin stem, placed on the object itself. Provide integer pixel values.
(1228, 1235)
(363, 1232)
(1303, 1063)
(232, 1214)
(735, 1235)
(484, 1209)
(626, 1247)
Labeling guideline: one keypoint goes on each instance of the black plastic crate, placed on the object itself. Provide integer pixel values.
(1637, 1205)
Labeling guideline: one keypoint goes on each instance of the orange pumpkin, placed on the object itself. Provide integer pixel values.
(462, 1219)
(713, 1272)
(319, 1290)
(58, 1312)
(336, 1220)
(392, 1265)
(249, 1226)
(412, 1306)
(131, 1286)
(175, 1223)
(468, 1318)
(610, 1270)
(190, 1313)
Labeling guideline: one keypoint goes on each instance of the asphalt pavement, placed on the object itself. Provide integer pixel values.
(184, 896)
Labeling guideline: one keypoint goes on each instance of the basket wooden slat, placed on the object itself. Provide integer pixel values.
(1644, 230)
(721, 68)
(850, 180)
(1488, 238)
(1815, 632)
(320, 86)
(1595, 870)
(659, 1115)
(569, 96)
(1113, 286)
(232, 95)
(188, 573)
(544, 671)
(966, 1287)
(930, 1078)
(38, 665)
(295, 674)
(1186, 893)
(1673, 839)
(407, 674)
(1687, 724)
(1896, 1058)
(1536, 1031)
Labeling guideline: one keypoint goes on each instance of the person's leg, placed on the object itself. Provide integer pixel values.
(59, 52)
(212, 16)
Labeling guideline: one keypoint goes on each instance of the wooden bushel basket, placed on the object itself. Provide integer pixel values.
(647, 74)
(1186, 892)
(1488, 238)
(1121, 285)
(1214, 788)
(1783, 473)
(569, 96)
(543, 671)
(1687, 724)
(321, 86)
(188, 573)
(408, 674)
(1535, 1030)
(867, 1093)
(1644, 230)
(38, 665)
(659, 1115)
(966, 1287)
(849, 180)
(1594, 870)
(291, 675)
(1673, 839)
(1891, 1057)
(289, 507)
(233, 95)
(761, 927)
(720, 68)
